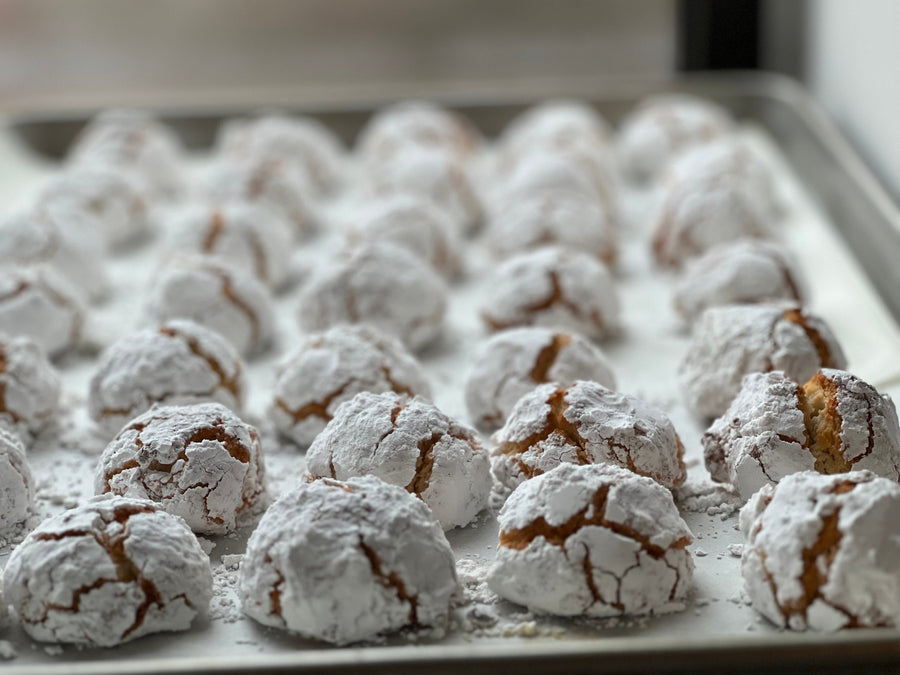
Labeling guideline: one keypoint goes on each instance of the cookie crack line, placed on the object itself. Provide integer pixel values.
(232, 384)
(4, 408)
(391, 580)
(818, 401)
(242, 306)
(275, 593)
(314, 408)
(546, 358)
(424, 464)
(796, 316)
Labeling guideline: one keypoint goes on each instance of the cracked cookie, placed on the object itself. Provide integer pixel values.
(732, 341)
(217, 295)
(594, 541)
(303, 141)
(383, 285)
(16, 482)
(346, 561)
(199, 462)
(329, 368)
(244, 234)
(552, 287)
(29, 387)
(107, 572)
(36, 302)
(513, 362)
(409, 443)
(821, 552)
(586, 423)
(741, 272)
(662, 126)
(832, 424)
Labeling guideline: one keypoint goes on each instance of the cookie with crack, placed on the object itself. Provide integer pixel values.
(820, 552)
(347, 561)
(29, 386)
(218, 295)
(834, 423)
(737, 273)
(16, 481)
(200, 462)
(409, 443)
(513, 362)
(107, 572)
(586, 423)
(553, 287)
(594, 541)
(329, 368)
(732, 341)
(179, 363)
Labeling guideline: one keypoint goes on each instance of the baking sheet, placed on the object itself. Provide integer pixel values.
(645, 358)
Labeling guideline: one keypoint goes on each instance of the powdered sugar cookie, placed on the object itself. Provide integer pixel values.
(329, 368)
(560, 124)
(107, 572)
(29, 386)
(343, 562)
(16, 483)
(592, 541)
(409, 443)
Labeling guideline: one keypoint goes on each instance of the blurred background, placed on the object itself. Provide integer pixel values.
(88, 53)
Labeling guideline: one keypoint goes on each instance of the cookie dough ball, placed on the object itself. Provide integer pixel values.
(415, 125)
(199, 462)
(586, 423)
(560, 218)
(274, 184)
(29, 386)
(383, 285)
(180, 363)
(663, 126)
(107, 572)
(832, 424)
(344, 562)
(594, 541)
(36, 302)
(513, 362)
(552, 287)
(733, 341)
(113, 203)
(820, 552)
(132, 140)
(303, 141)
(16, 483)
(243, 234)
(39, 238)
(217, 295)
(409, 443)
(411, 222)
(560, 124)
(742, 272)
(329, 368)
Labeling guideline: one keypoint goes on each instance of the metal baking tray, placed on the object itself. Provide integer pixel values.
(831, 172)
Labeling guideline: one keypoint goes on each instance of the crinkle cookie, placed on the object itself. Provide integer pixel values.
(29, 386)
(344, 562)
(200, 462)
(821, 552)
(513, 362)
(560, 124)
(244, 234)
(409, 443)
(36, 302)
(592, 541)
(134, 141)
(414, 223)
(741, 272)
(662, 126)
(39, 237)
(301, 140)
(217, 295)
(586, 423)
(275, 184)
(329, 368)
(16, 483)
(107, 572)
(380, 284)
(733, 341)
(112, 203)
(553, 287)
(567, 219)
(832, 424)
(180, 363)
